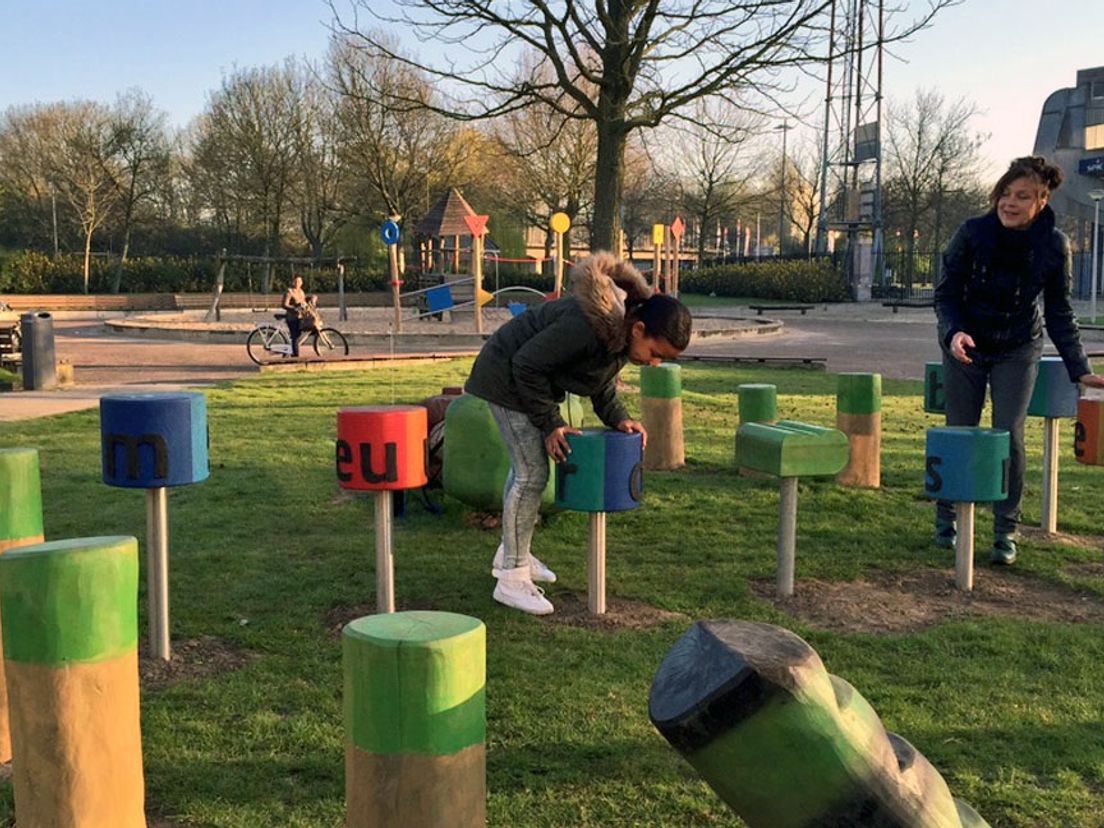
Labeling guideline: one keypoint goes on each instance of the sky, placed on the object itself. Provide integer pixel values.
(1005, 55)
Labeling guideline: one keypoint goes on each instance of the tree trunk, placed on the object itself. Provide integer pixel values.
(608, 182)
(117, 279)
(87, 256)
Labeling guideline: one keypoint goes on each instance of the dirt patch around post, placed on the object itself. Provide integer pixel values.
(620, 614)
(1037, 535)
(894, 602)
(195, 658)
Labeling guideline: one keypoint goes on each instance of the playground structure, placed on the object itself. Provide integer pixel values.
(382, 449)
(604, 472)
(403, 765)
(153, 441)
(966, 465)
(784, 743)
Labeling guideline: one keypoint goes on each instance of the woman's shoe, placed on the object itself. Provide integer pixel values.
(946, 533)
(1004, 549)
(539, 571)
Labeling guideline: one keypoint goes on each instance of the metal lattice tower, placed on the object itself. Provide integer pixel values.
(851, 153)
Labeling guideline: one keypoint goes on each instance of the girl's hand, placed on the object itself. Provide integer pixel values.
(556, 443)
(629, 426)
(959, 343)
(1092, 380)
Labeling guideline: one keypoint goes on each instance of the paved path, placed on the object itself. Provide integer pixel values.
(851, 337)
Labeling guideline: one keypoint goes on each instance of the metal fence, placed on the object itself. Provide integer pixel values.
(915, 275)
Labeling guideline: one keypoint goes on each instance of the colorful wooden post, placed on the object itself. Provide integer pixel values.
(390, 234)
(604, 472)
(1053, 397)
(677, 229)
(415, 720)
(559, 223)
(859, 416)
(784, 743)
(151, 442)
(20, 525)
(381, 449)
(757, 403)
(659, 231)
(1088, 446)
(661, 411)
(935, 402)
(475, 459)
(789, 450)
(70, 619)
(966, 465)
(478, 227)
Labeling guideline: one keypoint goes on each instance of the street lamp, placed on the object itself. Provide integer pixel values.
(785, 127)
(1095, 195)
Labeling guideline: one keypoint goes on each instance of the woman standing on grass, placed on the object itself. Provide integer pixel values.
(576, 345)
(991, 331)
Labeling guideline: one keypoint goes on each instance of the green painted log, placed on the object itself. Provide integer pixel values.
(859, 416)
(758, 402)
(661, 413)
(70, 626)
(791, 449)
(20, 525)
(415, 720)
(859, 393)
(474, 456)
(785, 744)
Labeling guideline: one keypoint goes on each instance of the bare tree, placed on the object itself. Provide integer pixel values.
(707, 151)
(802, 197)
(930, 151)
(623, 65)
(83, 168)
(250, 134)
(317, 189)
(28, 149)
(141, 151)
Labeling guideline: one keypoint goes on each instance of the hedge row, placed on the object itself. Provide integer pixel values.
(803, 280)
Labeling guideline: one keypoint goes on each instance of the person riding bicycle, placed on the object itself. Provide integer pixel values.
(299, 307)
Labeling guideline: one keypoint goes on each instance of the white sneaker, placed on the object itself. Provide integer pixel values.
(539, 571)
(515, 588)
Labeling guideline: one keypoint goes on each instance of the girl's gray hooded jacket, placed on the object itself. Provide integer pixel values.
(576, 344)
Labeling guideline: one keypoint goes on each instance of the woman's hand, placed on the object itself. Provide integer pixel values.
(629, 426)
(556, 443)
(1092, 380)
(959, 343)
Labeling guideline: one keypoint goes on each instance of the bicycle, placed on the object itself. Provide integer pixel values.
(268, 343)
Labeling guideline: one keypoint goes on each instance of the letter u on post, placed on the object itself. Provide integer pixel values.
(381, 449)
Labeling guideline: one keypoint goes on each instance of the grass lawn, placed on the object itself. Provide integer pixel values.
(266, 553)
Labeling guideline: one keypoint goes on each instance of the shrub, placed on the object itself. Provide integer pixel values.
(795, 280)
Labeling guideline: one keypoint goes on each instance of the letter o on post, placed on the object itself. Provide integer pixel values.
(381, 447)
(154, 440)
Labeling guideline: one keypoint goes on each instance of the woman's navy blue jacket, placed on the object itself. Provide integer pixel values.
(992, 280)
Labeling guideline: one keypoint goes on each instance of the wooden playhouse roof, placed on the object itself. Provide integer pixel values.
(446, 217)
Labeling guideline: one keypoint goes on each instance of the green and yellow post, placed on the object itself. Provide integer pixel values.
(415, 720)
(20, 525)
(70, 625)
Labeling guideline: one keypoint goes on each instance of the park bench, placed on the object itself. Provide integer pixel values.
(819, 363)
(760, 308)
(908, 303)
(10, 355)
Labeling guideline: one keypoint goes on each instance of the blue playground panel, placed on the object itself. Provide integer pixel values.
(967, 464)
(517, 308)
(153, 440)
(439, 298)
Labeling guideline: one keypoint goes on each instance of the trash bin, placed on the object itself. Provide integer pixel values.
(39, 365)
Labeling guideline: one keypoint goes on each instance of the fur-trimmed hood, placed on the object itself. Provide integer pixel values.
(603, 284)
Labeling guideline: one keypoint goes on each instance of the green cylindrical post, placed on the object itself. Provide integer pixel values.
(859, 416)
(70, 626)
(20, 525)
(757, 403)
(661, 411)
(415, 720)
